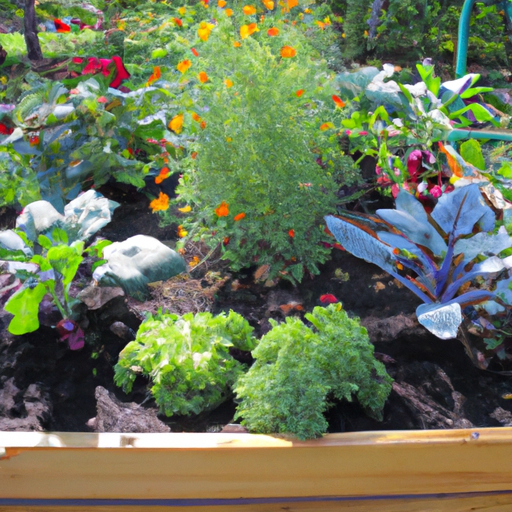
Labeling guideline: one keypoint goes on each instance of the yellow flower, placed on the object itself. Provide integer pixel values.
(249, 10)
(185, 209)
(182, 11)
(203, 77)
(229, 12)
(184, 65)
(343, 35)
(3, 80)
(222, 210)
(308, 11)
(228, 83)
(182, 233)
(204, 30)
(269, 4)
(160, 204)
(176, 124)
(247, 30)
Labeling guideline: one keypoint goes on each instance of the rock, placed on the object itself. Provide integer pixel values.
(136, 262)
(123, 331)
(116, 416)
(393, 327)
(94, 297)
(37, 405)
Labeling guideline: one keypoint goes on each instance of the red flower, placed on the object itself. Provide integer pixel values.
(96, 65)
(5, 130)
(291, 233)
(61, 26)
(328, 298)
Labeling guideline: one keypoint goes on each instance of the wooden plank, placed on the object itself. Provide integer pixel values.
(385, 471)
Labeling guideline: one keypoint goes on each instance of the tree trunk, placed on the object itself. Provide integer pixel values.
(31, 40)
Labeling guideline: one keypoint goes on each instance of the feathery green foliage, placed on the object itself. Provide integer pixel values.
(298, 369)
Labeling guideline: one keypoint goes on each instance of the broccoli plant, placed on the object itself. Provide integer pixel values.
(449, 259)
(299, 369)
(187, 359)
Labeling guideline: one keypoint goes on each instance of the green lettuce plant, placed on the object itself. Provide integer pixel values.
(299, 370)
(187, 359)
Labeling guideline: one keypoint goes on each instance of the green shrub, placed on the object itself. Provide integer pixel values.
(187, 359)
(258, 152)
(298, 369)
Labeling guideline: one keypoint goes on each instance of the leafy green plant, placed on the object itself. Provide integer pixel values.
(45, 252)
(264, 168)
(300, 369)
(49, 274)
(187, 359)
(452, 253)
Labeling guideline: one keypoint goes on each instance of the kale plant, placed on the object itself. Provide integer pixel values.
(187, 359)
(452, 252)
(299, 369)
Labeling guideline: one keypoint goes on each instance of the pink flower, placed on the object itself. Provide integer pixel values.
(102, 99)
(436, 191)
(363, 132)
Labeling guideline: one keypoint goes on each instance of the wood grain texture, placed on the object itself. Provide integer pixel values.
(386, 471)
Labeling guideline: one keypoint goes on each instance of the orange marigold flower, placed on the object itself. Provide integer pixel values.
(178, 22)
(287, 52)
(160, 204)
(226, 240)
(320, 24)
(164, 174)
(176, 124)
(228, 83)
(326, 126)
(249, 10)
(195, 261)
(271, 32)
(221, 4)
(240, 216)
(196, 117)
(339, 102)
(203, 77)
(236, 44)
(183, 65)
(229, 12)
(194, 52)
(291, 233)
(269, 4)
(247, 30)
(193, 155)
(203, 125)
(34, 140)
(299, 93)
(222, 210)
(292, 3)
(154, 76)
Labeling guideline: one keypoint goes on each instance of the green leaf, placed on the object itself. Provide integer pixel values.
(471, 152)
(65, 259)
(506, 170)
(24, 305)
(44, 242)
(158, 53)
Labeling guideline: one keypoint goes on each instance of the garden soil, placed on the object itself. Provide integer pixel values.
(46, 386)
